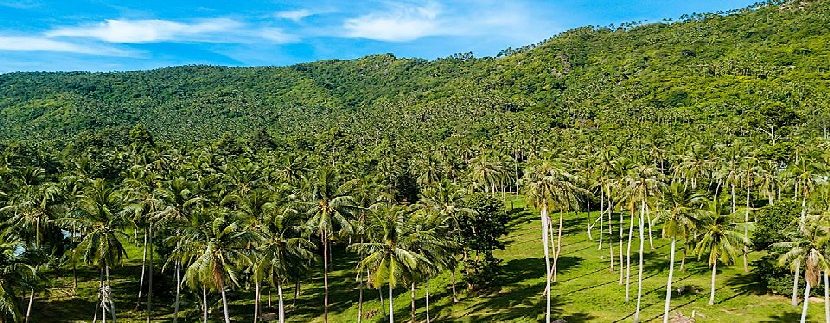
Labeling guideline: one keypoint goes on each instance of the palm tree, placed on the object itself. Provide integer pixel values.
(548, 185)
(389, 254)
(720, 239)
(179, 199)
(809, 247)
(16, 277)
(678, 221)
(330, 207)
(99, 226)
(643, 183)
(215, 247)
(445, 201)
(142, 205)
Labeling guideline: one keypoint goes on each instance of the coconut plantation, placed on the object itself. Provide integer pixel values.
(206, 163)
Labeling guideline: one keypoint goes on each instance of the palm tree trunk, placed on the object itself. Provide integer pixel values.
(225, 304)
(412, 302)
(454, 295)
(546, 248)
(360, 298)
(150, 274)
(281, 305)
(601, 215)
(640, 265)
(426, 292)
(794, 301)
(391, 307)
(143, 270)
(806, 301)
(826, 297)
(325, 278)
(628, 260)
(29, 307)
(746, 232)
(100, 301)
(204, 304)
(650, 236)
(256, 301)
(178, 292)
(610, 238)
(558, 246)
(622, 268)
(668, 283)
(712, 294)
(297, 292)
(109, 293)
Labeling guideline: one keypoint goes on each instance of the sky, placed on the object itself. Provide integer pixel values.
(102, 35)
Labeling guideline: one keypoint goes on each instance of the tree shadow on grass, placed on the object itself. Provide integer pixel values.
(785, 317)
(746, 283)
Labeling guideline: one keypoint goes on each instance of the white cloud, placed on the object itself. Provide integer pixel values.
(41, 44)
(398, 24)
(147, 31)
(295, 15)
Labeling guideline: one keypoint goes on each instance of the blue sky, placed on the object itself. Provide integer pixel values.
(101, 35)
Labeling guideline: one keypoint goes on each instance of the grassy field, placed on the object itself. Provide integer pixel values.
(586, 290)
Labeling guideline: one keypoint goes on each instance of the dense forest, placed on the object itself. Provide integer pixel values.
(710, 132)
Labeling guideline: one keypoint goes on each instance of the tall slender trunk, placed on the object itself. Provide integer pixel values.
(746, 231)
(668, 283)
(796, 276)
(628, 260)
(412, 302)
(178, 292)
(297, 292)
(714, 272)
(640, 265)
(100, 301)
(622, 267)
(610, 237)
(225, 304)
(150, 275)
(546, 248)
(454, 295)
(391, 306)
(325, 278)
(650, 236)
(143, 270)
(360, 297)
(426, 292)
(558, 246)
(256, 301)
(826, 297)
(601, 215)
(806, 301)
(29, 307)
(109, 292)
(281, 305)
(204, 304)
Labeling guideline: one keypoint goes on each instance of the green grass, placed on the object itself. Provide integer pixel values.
(586, 290)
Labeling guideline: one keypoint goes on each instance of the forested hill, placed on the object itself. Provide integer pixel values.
(734, 72)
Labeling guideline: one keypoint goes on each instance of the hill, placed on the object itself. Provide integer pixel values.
(707, 70)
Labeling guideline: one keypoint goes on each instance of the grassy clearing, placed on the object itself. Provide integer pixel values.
(586, 290)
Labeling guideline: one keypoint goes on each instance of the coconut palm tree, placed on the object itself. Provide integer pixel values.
(679, 220)
(548, 185)
(720, 238)
(215, 248)
(389, 254)
(330, 207)
(281, 250)
(810, 248)
(17, 276)
(642, 184)
(100, 230)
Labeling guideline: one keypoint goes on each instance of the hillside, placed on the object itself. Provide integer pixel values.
(704, 69)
